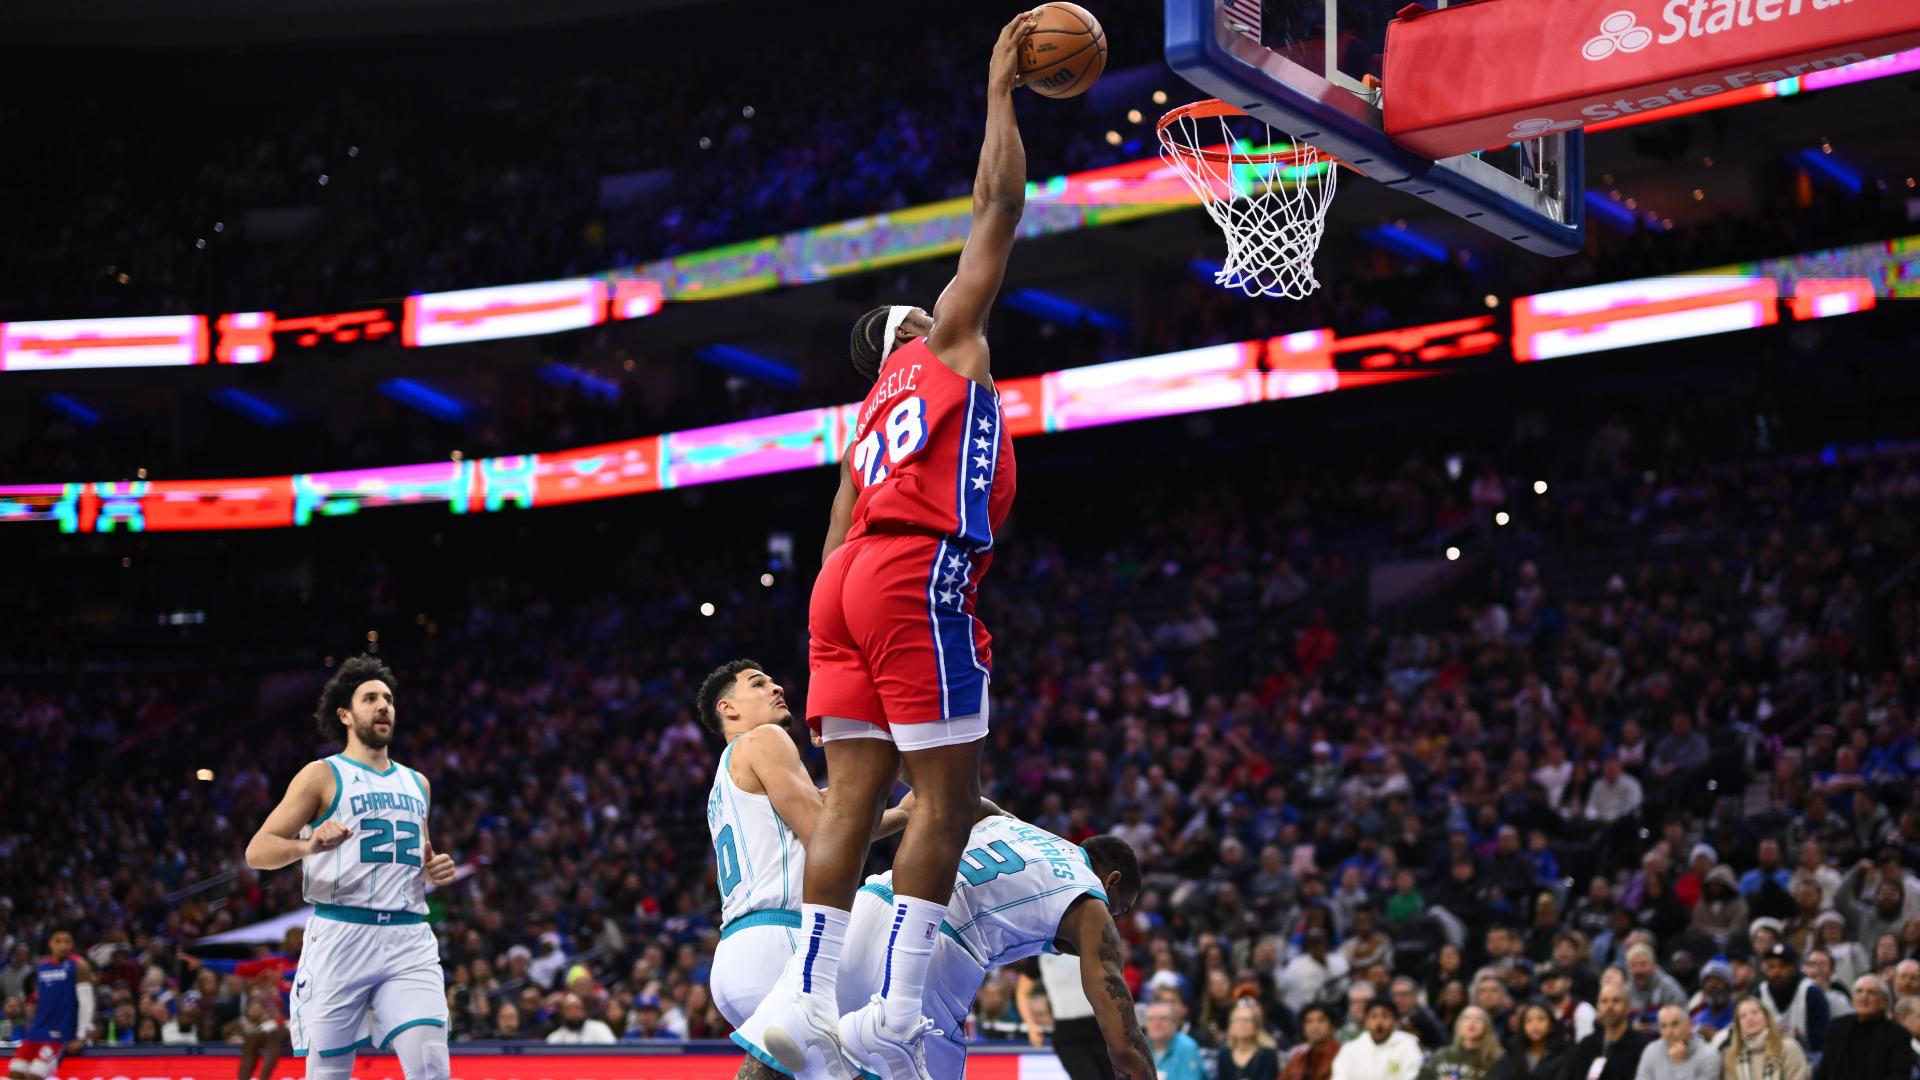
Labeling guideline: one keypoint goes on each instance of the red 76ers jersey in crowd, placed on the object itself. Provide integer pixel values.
(931, 456)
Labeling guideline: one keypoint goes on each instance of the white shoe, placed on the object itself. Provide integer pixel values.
(892, 1054)
(803, 1036)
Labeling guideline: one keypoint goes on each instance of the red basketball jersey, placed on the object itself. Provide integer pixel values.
(930, 455)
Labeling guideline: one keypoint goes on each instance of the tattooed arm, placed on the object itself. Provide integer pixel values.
(1089, 927)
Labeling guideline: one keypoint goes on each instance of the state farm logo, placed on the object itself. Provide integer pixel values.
(1537, 126)
(1618, 33)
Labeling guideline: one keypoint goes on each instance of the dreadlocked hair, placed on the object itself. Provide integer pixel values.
(866, 348)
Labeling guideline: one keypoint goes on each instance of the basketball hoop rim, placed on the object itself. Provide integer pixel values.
(1215, 107)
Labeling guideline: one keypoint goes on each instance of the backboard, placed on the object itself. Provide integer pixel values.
(1300, 66)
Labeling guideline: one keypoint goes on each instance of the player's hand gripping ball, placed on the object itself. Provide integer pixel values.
(1065, 52)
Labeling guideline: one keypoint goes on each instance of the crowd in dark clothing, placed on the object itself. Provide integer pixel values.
(1661, 743)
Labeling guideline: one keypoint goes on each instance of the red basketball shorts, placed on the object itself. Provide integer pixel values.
(895, 643)
(37, 1058)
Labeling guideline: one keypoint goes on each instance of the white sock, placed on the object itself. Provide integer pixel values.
(909, 947)
(823, 931)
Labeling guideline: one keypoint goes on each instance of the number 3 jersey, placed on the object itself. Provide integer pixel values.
(758, 860)
(931, 455)
(378, 867)
(1015, 884)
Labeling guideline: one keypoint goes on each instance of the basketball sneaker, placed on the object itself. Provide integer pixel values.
(893, 1054)
(804, 1031)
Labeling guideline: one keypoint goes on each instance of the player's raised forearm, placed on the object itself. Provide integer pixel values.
(1000, 183)
(269, 852)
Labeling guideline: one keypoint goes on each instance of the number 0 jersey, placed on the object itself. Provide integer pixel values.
(931, 455)
(379, 865)
(1015, 884)
(759, 861)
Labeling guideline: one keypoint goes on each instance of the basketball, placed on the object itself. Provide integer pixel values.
(1066, 52)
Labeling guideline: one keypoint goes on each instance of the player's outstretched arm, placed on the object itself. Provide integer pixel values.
(959, 336)
(278, 843)
(840, 518)
(1103, 963)
(894, 818)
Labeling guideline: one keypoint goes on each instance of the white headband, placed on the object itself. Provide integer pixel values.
(896, 315)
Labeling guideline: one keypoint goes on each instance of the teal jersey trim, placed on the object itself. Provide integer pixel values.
(339, 782)
(786, 917)
(391, 765)
(420, 786)
(760, 1055)
(746, 849)
(425, 1021)
(367, 916)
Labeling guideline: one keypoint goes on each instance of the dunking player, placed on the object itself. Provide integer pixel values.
(1020, 889)
(62, 1010)
(899, 662)
(762, 813)
(357, 822)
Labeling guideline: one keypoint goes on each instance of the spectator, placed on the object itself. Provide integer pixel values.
(1472, 1055)
(648, 1022)
(1679, 1053)
(1614, 797)
(1796, 1003)
(1721, 914)
(1712, 1008)
(1358, 995)
(994, 1017)
(1384, 1052)
(1818, 966)
(1540, 1053)
(506, 1023)
(1758, 1050)
(1312, 1058)
(1649, 987)
(1614, 1050)
(1416, 1018)
(1867, 1045)
(577, 1028)
(18, 974)
(549, 961)
(1574, 1016)
(1248, 1053)
(1315, 975)
(1907, 1014)
(1175, 1055)
(183, 1028)
(1906, 979)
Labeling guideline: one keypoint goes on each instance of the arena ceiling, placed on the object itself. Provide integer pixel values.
(219, 22)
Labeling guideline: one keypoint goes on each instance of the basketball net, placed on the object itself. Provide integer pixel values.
(1268, 193)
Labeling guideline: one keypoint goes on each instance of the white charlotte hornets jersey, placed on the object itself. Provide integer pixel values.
(1015, 884)
(378, 867)
(759, 861)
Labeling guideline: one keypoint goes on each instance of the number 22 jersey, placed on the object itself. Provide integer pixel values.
(378, 867)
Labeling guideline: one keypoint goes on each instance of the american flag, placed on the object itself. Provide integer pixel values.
(1244, 17)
